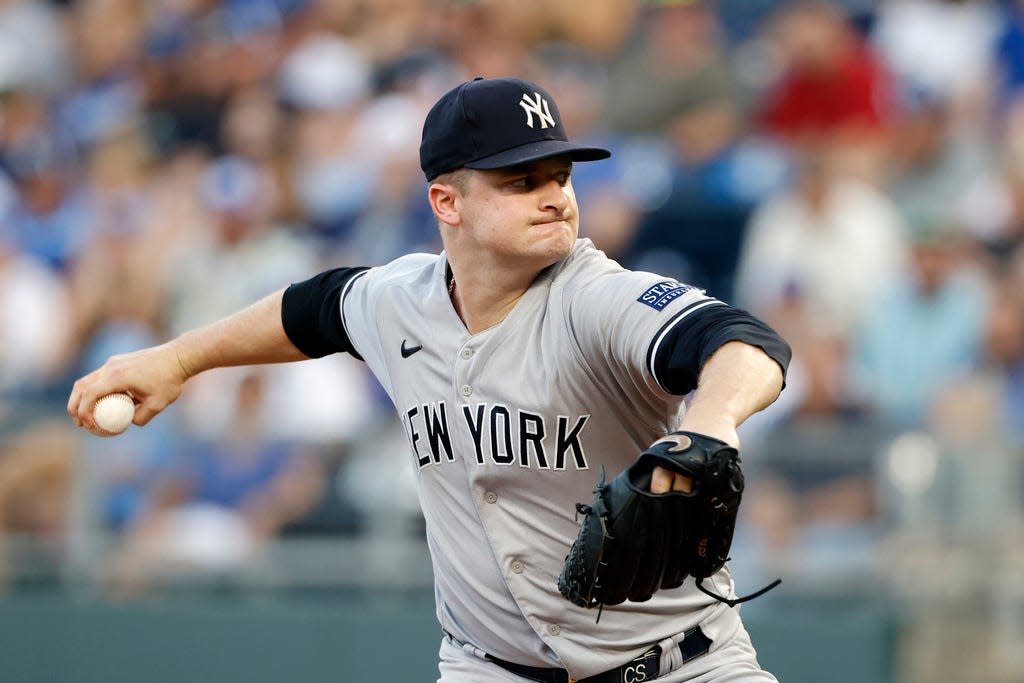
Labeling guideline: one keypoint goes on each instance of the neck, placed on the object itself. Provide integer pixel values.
(482, 299)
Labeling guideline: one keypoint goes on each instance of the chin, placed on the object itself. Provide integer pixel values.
(558, 242)
(545, 243)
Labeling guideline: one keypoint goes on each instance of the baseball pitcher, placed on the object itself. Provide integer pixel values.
(578, 514)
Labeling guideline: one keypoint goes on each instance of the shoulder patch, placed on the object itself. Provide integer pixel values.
(660, 295)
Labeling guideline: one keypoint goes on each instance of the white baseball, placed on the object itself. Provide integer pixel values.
(113, 413)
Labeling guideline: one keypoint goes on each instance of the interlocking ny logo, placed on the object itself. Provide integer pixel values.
(539, 107)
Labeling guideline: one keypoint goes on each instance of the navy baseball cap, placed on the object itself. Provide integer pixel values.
(494, 123)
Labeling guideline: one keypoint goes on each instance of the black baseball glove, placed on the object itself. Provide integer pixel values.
(633, 542)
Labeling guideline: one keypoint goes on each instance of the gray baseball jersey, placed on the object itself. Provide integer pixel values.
(510, 427)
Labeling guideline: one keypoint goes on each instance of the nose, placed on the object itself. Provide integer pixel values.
(554, 196)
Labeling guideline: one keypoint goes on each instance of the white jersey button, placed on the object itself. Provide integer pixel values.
(466, 354)
(491, 497)
(517, 567)
(554, 629)
(466, 390)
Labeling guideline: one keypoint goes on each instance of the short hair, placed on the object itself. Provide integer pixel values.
(459, 179)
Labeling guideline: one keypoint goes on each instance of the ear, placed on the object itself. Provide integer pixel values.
(444, 202)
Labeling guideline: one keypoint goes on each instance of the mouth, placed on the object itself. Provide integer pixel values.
(560, 219)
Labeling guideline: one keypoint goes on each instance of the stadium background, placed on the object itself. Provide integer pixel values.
(852, 171)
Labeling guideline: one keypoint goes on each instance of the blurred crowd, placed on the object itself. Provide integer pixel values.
(852, 172)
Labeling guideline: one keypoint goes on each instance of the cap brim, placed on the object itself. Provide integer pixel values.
(541, 149)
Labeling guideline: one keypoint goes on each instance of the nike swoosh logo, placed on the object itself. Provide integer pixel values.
(409, 350)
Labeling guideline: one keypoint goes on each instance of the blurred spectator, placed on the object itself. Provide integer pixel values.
(935, 155)
(253, 124)
(833, 242)
(34, 50)
(244, 255)
(977, 428)
(674, 61)
(997, 382)
(992, 207)
(35, 325)
(213, 511)
(943, 47)
(51, 216)
(122, 273)
(492, 38)
(36, 471)
(107, 92)
(744, 19)
(395, 218)
(815, 511)
(241, 254)
(182, 104)
(927, 335)
(717, 177)
(673, 91)
(324, 73)
(600, 30)
(1008, 53)
(833, 89)
(194, 55)
(381, 31)
(326, 81)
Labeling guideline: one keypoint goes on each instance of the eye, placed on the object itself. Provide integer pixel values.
(563, 178)
(521, 183)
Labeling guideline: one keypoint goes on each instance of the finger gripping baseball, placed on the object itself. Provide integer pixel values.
(632, 542)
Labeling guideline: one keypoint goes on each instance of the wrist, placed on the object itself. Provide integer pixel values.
(184, 357)
(714, 423)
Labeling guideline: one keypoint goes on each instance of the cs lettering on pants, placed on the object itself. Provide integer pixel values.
(634, 674)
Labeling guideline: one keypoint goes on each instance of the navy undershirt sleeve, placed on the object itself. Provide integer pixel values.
(311, 313)
(686, 347)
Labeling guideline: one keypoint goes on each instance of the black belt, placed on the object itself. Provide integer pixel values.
(646, 667)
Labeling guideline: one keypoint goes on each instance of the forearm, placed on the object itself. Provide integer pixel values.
(254, 335)
(155, 376)
(735, 382)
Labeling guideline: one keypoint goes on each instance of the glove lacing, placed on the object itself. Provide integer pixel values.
(732, 602)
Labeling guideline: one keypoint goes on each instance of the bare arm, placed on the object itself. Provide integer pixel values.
(735, 382)
(155, 376)
(254, 335)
